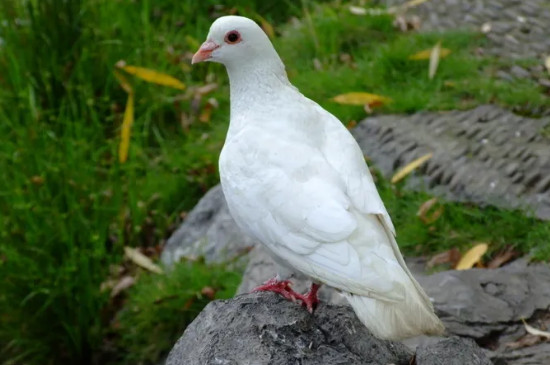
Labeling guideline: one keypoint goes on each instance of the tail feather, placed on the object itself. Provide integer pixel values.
(397, 320)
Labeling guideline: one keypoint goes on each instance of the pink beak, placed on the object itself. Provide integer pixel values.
(204, 52)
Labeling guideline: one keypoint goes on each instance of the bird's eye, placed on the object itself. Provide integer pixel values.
(232, 37)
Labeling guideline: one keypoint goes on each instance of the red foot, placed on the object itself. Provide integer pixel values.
(309, 300)
(280, 287)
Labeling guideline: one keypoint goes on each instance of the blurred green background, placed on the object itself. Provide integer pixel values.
(68, 207)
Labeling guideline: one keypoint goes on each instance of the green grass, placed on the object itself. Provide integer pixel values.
(461, 225)
(160, 307)
(67, 206)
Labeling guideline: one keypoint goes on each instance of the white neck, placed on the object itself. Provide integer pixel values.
(255, 82)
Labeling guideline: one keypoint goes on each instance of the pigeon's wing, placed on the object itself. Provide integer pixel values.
(344, 155)
(296, 203)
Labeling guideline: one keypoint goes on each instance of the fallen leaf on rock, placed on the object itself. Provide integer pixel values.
(425, 209)
(141, 260)
(486, 28)
(435, 55)
(451, 256)
(535, 331)
(361, 98)
(409, 4)
(502, 257)
(425, 54)
(399, 175)
(524, 341)
(472, 257)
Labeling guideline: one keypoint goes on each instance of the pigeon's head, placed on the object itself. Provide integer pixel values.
(234, 40)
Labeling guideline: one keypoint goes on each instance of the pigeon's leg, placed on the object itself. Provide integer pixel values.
(281, 287)
(310, 300)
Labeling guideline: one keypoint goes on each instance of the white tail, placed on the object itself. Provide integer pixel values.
(396, 320)
(412, 316)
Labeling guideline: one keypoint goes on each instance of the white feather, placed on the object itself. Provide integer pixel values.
(295, 179)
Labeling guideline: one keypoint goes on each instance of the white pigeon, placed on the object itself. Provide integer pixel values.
(296, 180)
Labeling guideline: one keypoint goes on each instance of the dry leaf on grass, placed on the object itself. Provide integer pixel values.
(547, 64)
(426, 54)
(451, 256)
(435, 55)
(502, 257)
(535, 331)
(151, 76)
(361, 98)
(426, 207)
(127, 122)
(124, 283)
(399, 175)
(141, 260)
(207, 110)
(472, 257)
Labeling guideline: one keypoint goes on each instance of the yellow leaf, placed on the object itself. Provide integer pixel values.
(399, 175)
(434, 60)
(141, 260)
(472, 257)
(127, 122)
(153, 76)
(547, 63)
(425, 54)
(535, 331)
(405, 6)
(426, 208)
(360, 98)
(123, 81)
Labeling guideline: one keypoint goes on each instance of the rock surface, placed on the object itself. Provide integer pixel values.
(482, 304)
(514, 28)
(485, 155)
(452, 351)
(263, 328)
(209, 231)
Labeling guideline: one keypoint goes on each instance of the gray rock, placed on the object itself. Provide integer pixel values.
(264, 328)
(452, 351)
(517, 29)
(267, 329)
(486, 155)
(209, 231)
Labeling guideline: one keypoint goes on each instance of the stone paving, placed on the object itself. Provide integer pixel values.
(514, 28)
(485, 155)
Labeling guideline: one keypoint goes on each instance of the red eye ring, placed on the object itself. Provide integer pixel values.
(232, 37)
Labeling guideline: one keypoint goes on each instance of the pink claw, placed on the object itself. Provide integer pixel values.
(310, 299)
(282, 287)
